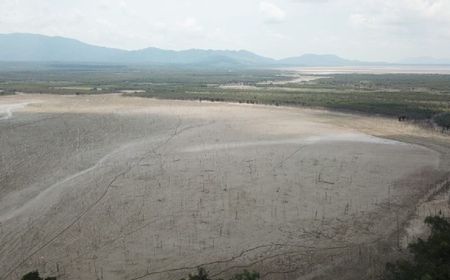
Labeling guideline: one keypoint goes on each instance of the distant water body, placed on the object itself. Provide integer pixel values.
(394, 69)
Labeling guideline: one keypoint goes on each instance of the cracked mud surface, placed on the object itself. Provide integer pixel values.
(111, 187)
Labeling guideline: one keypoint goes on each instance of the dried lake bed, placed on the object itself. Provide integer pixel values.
(113, 187)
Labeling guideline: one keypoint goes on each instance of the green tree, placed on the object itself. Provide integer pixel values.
(430, 258)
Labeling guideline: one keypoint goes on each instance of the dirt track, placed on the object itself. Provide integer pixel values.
(111, 187)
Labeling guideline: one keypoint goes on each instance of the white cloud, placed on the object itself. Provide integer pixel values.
(401, 14)
(311, 1)
(190, 24)
(271, 12)
(360, 21)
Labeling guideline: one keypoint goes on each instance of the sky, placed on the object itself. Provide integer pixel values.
(371, 30)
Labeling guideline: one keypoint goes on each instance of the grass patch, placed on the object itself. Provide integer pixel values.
(443, 120)
(417, 96)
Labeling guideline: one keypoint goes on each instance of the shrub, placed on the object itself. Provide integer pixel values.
(34, 275)
(202, 274)
(246, 275)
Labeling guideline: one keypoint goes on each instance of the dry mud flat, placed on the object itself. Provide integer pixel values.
(111, 187)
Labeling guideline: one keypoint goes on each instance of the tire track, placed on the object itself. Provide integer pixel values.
(241, 254)
(176, 132)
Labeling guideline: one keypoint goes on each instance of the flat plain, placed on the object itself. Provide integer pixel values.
(119, 187)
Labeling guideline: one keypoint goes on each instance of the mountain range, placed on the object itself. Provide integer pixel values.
(425, 60)
(22, 47)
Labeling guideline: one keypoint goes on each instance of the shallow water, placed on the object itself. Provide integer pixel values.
(349, 137)
(6, 111)
(407, 69)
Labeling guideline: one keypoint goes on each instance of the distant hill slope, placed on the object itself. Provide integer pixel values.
(30, 47)
(40, 48)
(425, 61)
(318, 60)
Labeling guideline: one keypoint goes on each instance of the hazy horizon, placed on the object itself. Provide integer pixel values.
(364, 30)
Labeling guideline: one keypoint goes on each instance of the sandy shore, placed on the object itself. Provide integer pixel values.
(112, 187)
